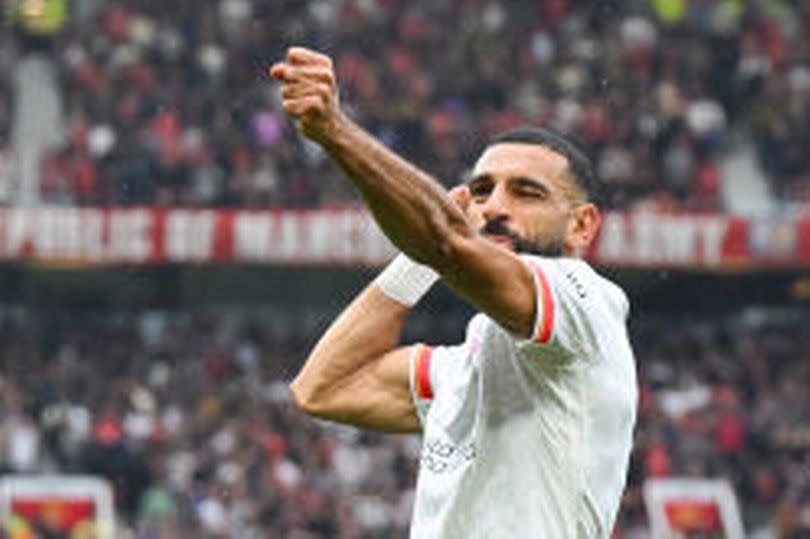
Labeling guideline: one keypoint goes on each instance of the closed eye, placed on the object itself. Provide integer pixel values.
(530, 188)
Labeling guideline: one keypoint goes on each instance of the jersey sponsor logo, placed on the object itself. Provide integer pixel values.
(439, 456)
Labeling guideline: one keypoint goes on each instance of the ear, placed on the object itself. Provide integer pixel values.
(461, 196)
(583, 226)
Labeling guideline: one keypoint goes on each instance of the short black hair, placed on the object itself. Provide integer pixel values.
(579, 163)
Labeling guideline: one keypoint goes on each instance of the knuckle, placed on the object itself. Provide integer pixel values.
(328, 77)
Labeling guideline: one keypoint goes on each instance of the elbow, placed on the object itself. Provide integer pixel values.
(302, 398)
(307, 399)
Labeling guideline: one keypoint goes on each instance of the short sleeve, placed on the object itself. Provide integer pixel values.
(431, 370)
(421, 384)
(573, 305)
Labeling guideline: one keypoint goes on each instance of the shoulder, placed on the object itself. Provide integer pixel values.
(578, 310)
(575, 280)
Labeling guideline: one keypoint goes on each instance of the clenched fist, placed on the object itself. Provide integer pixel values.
(309, 91)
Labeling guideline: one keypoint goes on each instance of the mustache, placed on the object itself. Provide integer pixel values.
(499, 228)
(549, 248)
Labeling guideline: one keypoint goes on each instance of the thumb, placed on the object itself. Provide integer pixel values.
(461, 196)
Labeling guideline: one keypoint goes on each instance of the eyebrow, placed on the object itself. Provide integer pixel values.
(479, 178)
(522, 181)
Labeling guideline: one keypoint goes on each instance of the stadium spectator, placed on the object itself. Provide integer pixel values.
(196, 452)
(169, 103)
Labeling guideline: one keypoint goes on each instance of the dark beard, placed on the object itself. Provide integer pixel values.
(550, 249)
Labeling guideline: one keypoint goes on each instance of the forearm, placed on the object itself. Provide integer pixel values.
(369, 327)
(413, 210)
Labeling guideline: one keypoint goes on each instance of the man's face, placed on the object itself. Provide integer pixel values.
(523, 199)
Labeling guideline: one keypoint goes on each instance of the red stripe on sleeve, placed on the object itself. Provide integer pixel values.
(547, 303)
(424, 390)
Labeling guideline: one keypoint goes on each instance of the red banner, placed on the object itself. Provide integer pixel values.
(142, 236)
(671, 240)
(77, 236)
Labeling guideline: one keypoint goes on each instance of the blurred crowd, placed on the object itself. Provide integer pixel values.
(727, 399)
(190, 419)
(188, 415)
(170, 103)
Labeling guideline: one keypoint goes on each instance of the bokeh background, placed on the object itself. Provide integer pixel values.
(170, 247)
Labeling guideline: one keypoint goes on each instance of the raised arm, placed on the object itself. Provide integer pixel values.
(413, 210)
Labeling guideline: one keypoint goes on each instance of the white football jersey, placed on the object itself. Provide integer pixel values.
(529, 438)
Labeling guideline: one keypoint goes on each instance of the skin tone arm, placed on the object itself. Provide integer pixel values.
(413, 210)
(355, 374)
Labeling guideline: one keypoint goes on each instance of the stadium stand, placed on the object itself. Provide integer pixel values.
(184, 407)
(189, 416)
(170, 103)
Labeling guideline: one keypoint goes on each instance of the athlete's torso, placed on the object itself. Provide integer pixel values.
(530, 439)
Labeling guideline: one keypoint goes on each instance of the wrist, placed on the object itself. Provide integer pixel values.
(330, 131)
(406, 281)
